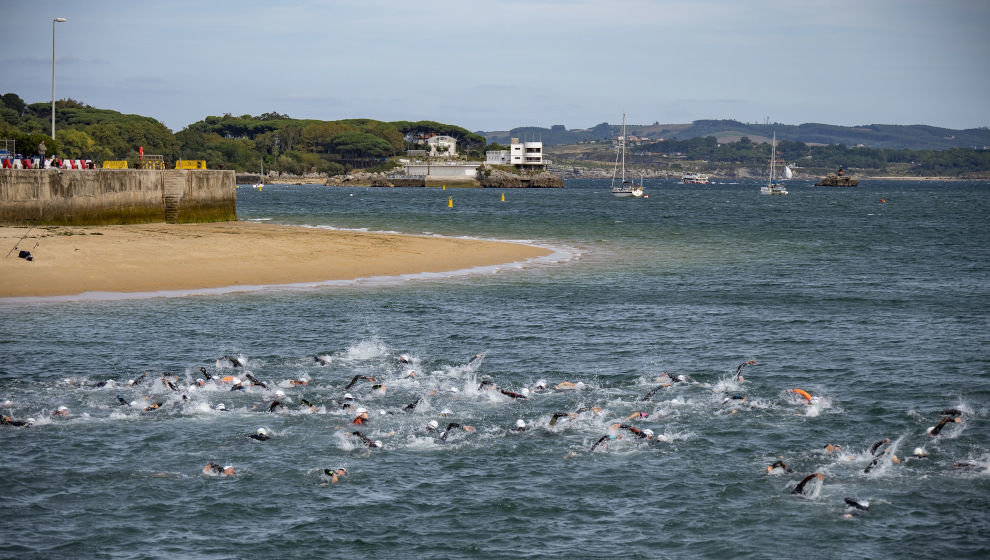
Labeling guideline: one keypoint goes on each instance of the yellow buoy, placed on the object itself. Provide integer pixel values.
(444, 187)
(503, 197)
(450, 202)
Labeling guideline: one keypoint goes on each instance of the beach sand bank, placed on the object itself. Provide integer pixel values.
(156, 257)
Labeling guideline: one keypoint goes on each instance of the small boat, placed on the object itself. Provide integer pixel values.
(839, 179)
(625, 188)
(261, 177)
(695, 179)
(788, 174)
(772, 187)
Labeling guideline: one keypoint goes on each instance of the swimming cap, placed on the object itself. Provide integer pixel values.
(63, 408)
(919, 452)
(221, 407)
(262, 432)
(235, 381)
(455, 390)
(520, 423)
(579, 384)
(378, 443)
(360, 411)
(348, 396)
(280, 393)
(446, 412)
(382, 412)
(525, 391)
(648, 432)
(434, 424)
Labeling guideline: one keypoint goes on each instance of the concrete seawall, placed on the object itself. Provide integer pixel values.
(116, 196)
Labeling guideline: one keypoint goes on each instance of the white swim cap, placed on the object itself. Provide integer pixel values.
(262, 432)
(919, 452)
(930, 428)
(579, 384)
(348, 396)
(280, 393)
(382, 412)
(455, 390)
(542, 384)
(648, 432)
(378, 443)
(520, 423)
(63, 408)
(525, 391)
(221, 407)
(434, 424)
(446, 412)
(235, 381)
(361, 410)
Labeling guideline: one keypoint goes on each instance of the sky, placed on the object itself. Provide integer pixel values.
(495, 65)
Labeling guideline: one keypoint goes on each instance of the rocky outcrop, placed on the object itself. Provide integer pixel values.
(359, 179)
(501, 179)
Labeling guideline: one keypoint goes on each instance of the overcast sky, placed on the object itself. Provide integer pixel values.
(494, 65)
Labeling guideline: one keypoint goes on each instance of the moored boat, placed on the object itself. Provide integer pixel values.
(695, 179)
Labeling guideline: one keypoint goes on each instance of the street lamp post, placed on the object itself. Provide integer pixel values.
(54, 21)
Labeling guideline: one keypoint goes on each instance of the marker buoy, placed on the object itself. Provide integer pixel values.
(803, 394)
(503, 197)
(443, 187)
(450, 202)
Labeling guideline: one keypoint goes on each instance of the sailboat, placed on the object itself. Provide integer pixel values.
(625, 188)
(261, 177)
(772, 187)
(788, 174)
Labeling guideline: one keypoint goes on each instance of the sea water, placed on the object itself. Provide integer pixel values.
(874, 300)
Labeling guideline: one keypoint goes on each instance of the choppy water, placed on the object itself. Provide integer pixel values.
(878, 309)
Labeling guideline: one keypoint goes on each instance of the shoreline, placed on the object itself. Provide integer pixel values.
(226, 256)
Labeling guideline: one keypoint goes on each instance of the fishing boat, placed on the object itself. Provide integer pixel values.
(695, 179)
(772, 187)
(625, 188)
(261, 177)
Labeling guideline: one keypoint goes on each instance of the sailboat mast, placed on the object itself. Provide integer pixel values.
(622, 144)
(773, 157)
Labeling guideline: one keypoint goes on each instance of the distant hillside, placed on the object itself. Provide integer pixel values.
(913, 137)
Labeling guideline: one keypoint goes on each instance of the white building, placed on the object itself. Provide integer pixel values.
(525, 155)
(442, 145)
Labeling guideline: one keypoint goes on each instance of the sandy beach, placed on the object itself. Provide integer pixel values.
(155, 257)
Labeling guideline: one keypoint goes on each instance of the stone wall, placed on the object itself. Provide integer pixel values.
(116, 196)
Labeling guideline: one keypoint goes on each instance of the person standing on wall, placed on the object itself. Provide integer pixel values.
(41, 154)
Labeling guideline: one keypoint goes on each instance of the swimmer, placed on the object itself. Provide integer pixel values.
(8, 421)
(512, 394)
(404, 359)
(446, 412)
(736, 397)
(487, 384)
(275, 404)
(295, 382)
(362, 416)
(778, 466)
(539, 386)
(637, 414)
(139, 379)
(213, 469)
(968, 466)
(476, 358)
(645, 434)
(411, 373)
(858, 504)
(951, 412)
(412, 405)
(61, 411)
(234, 361)
(254, 380)
(649, 396)
(200, 382)
(919, 453)
(432, 426)
(357, 378)
(155, 406)
(335, 475)
(830, 448)
(520, 426)
(604, 439)
(367, 440)
(451, 426)
(307, 404)
(168, 383)
(937, 429)
(799, 489)
(556, 415)
(569, 385)
(739, 376)
(260, 435)
(221, 408)
(237, 385)
(122, 402)
(321, 360)
(876, 460)
(205, 373)
(873, 450)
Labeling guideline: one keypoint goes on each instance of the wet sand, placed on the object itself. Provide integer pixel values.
(156, 257)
